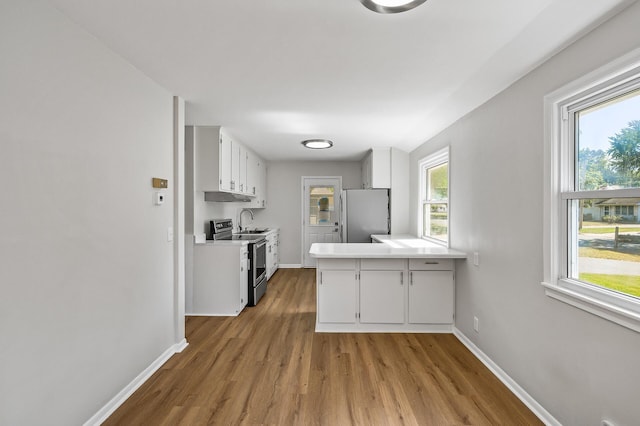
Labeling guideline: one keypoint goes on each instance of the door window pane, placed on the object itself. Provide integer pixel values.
(321, 205)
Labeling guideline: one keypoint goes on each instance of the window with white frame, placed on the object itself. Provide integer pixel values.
(434, 196)
(592, 242)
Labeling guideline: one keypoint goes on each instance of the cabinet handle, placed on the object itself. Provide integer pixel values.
(431, 263)
(411, 278)
(320, 278)
(401, 278)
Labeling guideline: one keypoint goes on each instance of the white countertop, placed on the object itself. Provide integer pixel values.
(392, 246)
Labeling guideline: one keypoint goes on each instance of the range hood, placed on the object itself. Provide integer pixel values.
(226, 197)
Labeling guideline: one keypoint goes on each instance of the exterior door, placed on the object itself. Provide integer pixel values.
(321, 213)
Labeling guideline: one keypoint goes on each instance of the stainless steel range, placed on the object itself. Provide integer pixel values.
(222, 229)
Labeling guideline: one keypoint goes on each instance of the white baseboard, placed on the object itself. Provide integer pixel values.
(517, 390)
(111, 406)
(290, 266)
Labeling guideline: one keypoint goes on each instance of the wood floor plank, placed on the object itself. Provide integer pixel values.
(268, 366)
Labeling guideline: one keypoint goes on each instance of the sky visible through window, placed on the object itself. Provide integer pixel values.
(599, 124)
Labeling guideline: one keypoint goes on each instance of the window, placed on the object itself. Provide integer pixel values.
(321, 205)
(592, 241)
(434, 194)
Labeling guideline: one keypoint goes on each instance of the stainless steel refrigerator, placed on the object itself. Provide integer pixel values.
(364, 212)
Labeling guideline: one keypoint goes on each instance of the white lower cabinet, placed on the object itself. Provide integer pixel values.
(244, 277)
(336, 296)
(431, 297)
(220, 279)
(382, 297)
(273, 241)
(385, 295)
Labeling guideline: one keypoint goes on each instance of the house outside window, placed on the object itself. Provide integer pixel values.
(434, 196)
(592, 192)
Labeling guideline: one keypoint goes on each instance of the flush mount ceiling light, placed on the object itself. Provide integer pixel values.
(317, 143)
(391, 6)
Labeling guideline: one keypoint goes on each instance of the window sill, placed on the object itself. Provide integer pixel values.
(618, 309)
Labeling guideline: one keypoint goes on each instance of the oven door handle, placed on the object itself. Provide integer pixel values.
(261, 244)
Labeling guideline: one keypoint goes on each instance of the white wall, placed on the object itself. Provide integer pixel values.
(86, 272)
(580, 367)
(400, 206)
(284, 199)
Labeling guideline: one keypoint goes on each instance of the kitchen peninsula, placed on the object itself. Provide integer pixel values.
(401, 284)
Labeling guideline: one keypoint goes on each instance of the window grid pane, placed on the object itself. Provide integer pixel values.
(436, 220)
(435, 209)
(438, 183)
(604, 249)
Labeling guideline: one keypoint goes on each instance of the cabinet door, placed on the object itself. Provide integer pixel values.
(276, 249)
(261, 183)
(431, 297)
(337, 296)
(269, 256)
(235, 166)
(252, 173)
(382, 297)
(366, 172)
(225, 162)
(244, 281)
(242, 170)
(380, 172)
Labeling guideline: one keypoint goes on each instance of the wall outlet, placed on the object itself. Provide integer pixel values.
(476, 258)
(170, 234)
(476, 324)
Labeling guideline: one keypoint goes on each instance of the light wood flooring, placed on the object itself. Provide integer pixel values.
(268, 366)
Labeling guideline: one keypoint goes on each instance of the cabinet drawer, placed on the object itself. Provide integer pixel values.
(337, 264)
(383, 264)
(431, 264)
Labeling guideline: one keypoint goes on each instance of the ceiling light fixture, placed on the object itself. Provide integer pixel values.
(317, 143)
(391, 6)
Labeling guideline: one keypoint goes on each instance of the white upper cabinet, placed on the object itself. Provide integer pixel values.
(376, 169)
(223, 164)
(259, 185)
(212, 150)
(242, 170)
(253, 164)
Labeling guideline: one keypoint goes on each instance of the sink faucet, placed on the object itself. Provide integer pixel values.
(240, 217)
